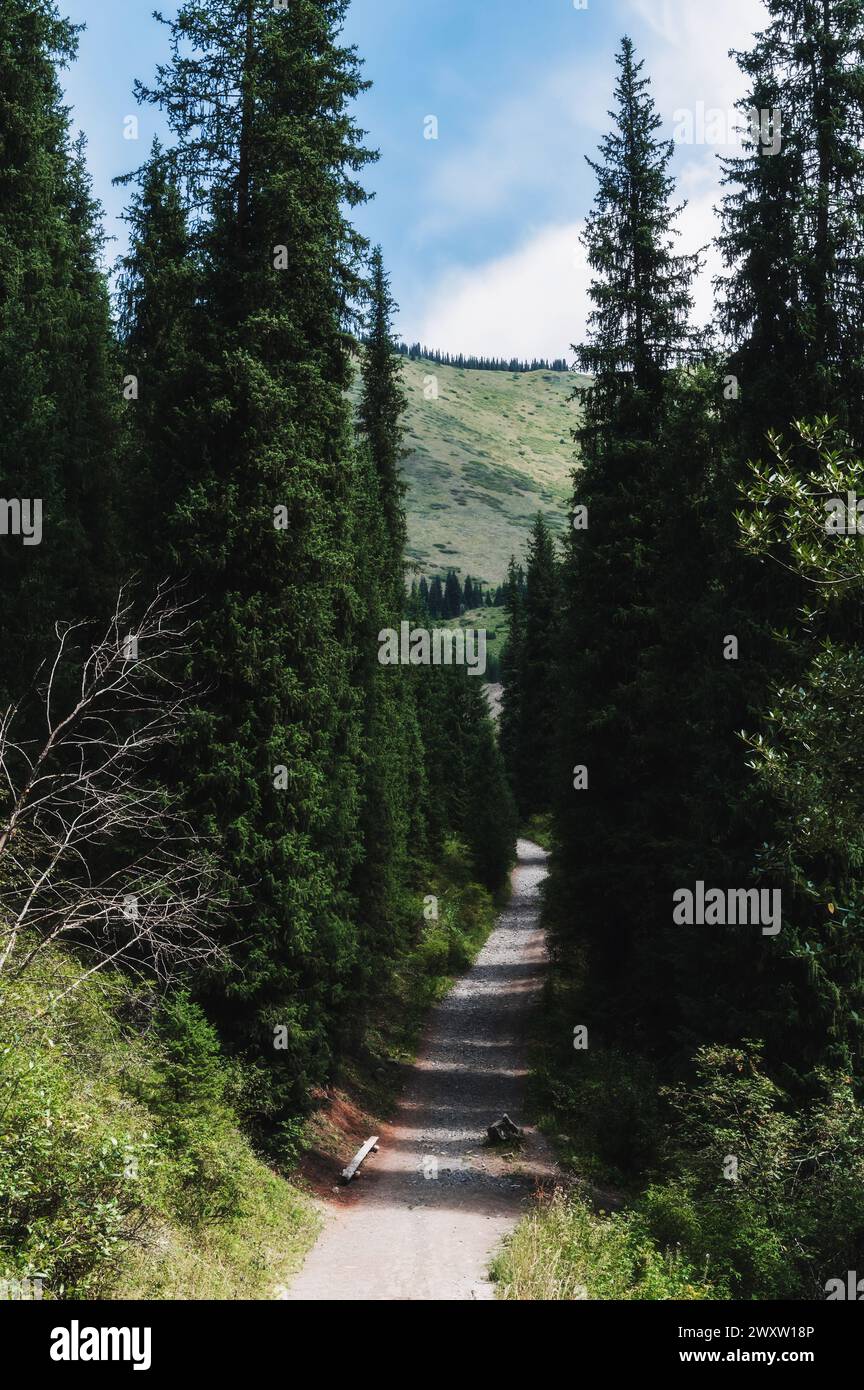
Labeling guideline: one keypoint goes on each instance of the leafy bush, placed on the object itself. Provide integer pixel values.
(791, 1216)
(75, 1172)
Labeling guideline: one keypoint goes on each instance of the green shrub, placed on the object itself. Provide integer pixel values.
(791, 1216)
(121, 1161)
(75, 1173)
(565, 1251)
(608, 1103)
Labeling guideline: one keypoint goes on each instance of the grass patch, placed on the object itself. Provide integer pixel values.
(123, 1168)
(502, 439)
(253, 1256)
(565, 1251)
(539, 831)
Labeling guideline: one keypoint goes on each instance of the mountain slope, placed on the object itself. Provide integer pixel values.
(491, 451)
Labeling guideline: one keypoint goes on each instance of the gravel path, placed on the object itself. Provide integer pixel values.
(433, 1204)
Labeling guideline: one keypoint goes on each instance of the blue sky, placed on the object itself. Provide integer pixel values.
(479, 227)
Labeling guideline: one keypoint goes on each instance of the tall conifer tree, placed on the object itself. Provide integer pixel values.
(792, 302)
(266, 154)
(639, 331)
(393, 775)
(59, 380)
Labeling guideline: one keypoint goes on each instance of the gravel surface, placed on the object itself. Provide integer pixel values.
(429, 1209)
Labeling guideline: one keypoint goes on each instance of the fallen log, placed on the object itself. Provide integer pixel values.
(348, 1173)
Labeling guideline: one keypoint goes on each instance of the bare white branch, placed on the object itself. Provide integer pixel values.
(91, 851)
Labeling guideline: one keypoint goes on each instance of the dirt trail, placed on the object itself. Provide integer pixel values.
(434, 1203)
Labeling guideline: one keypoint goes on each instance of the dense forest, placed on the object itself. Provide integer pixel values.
(684, 683)
(215, 798)
(226, 826)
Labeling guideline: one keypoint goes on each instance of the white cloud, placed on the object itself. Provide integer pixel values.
(687, 45)
(533, 301)
(530, 303)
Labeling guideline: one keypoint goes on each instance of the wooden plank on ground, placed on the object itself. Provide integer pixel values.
(348, 1173)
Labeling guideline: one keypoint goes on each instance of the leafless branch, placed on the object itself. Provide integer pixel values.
(92, 850)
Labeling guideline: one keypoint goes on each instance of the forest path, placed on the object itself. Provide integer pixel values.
(434, 1203)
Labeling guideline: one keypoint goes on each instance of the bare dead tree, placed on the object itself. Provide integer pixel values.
(92, 852)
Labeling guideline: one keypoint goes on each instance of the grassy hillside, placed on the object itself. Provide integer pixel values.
(493, 450)
(484, 458)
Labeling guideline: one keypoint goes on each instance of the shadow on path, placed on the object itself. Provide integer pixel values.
(435, 1201)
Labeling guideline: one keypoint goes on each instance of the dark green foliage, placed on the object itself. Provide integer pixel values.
(393, 787)
(619, 619)
(735, 772)
(531, 693)
(304, 760)
(512, 597)
(263, 529)
(59, 379)
(789, 1217)
(806, 760)
(641, 289)
(190, 1071)
(436, 598)
(793, 236)
(452, 597)
(159, 322)
(467, 784)
(382, 405)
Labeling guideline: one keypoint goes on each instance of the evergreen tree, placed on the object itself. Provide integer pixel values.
(266, 154)
(511, 598)
(59, 380)
(393, 789)
(793, 223)
(382, 405)
(467, 785)
(436, 598)
(809, 994)
(159, 283)
(536, 768)
(452, 607)
(791, 304)
(641, 288)
(639, 330)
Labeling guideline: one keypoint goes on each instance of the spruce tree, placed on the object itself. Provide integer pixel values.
(60, 385)
(512, 661)
(792, 302)
(158, 319)
(791, 305)
(639, 331)
(639, 323)
(536, 766)
(382, 405)
(452, 607)
(436, 598)
(266, 153)
(392, 777)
